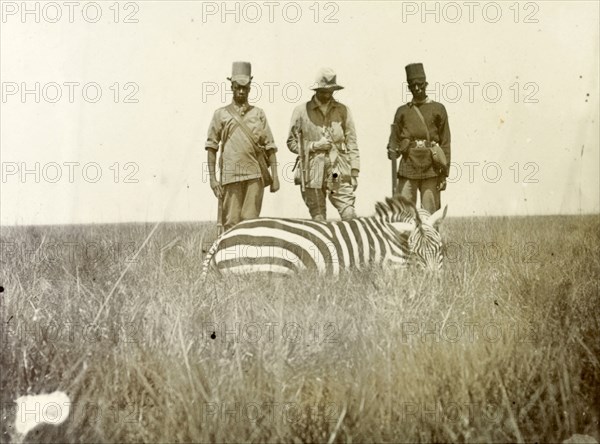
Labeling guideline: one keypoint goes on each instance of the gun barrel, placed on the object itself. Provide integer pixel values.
(220, 226)
(394, 174)
(302, 160)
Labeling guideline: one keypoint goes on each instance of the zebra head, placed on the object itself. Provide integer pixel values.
(424, 240)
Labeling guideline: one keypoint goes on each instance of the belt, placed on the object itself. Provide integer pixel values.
(421, 144)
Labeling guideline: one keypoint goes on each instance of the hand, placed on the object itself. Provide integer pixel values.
(217, 188)
(442, 184)
(275, 185)
(354, 182)
(322, 145)
(392, 154)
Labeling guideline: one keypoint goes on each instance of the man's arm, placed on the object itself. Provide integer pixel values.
(295, 125)
(273, 164)
(271, 150)
(444, 133)
(351, 144)
(212, 146)
(323, 144)
(397, 146)
(211, 158)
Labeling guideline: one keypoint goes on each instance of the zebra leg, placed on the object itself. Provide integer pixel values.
(209, 260)
(395, 263)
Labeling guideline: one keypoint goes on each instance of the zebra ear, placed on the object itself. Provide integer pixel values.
(436, 218)
(404, 227)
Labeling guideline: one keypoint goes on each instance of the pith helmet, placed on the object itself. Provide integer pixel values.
(326, 79)
(240, 73)
(415, 71)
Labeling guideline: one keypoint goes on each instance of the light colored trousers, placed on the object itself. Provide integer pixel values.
(242, 201)
(341, 196)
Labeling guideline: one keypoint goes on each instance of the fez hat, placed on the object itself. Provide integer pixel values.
(240, 73)
(326, 79)
(415, 71)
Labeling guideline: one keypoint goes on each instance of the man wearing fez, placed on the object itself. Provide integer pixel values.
(241, 186)
(329, 161)
(411, 139)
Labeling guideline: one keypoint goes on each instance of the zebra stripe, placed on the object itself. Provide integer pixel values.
(397, 234)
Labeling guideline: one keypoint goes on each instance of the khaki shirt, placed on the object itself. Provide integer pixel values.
(238, 157)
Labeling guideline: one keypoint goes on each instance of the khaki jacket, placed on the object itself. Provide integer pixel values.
(336, 123)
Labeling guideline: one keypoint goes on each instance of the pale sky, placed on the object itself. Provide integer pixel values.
(519, 82)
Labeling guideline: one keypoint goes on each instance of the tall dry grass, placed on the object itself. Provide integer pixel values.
(502, 345)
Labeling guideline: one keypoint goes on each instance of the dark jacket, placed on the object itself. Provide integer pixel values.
(408, 127)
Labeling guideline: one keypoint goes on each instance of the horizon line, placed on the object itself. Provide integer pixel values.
(200, 222)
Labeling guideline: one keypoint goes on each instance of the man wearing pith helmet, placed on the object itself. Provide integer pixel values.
(322, 133)
(419, 126)
(241, 130)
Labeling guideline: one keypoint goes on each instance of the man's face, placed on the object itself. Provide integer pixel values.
(418, 89)
(324, 95)
(240, 92)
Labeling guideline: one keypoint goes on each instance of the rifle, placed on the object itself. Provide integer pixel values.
(220, 227)
(303, 157)
(394, 174)
(394, 171)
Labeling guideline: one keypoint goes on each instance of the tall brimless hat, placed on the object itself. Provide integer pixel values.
(240, 73)
(326, 79)
(415, 71)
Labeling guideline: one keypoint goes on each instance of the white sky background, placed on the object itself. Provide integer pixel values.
(174, 52)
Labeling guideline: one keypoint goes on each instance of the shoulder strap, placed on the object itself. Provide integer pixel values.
(418, 111)
(236, 116)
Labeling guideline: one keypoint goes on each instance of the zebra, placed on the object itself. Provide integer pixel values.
(397, 235)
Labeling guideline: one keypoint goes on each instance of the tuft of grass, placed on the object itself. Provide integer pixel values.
(502, 345)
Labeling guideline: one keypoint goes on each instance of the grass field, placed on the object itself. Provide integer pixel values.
(502, 345)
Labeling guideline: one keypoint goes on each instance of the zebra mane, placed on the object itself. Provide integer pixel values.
(398, 209)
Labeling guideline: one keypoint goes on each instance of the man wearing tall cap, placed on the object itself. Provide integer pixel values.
(327, 131)
(411, 139)
(241, 186)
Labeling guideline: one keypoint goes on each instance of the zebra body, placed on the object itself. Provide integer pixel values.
(288, 246)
